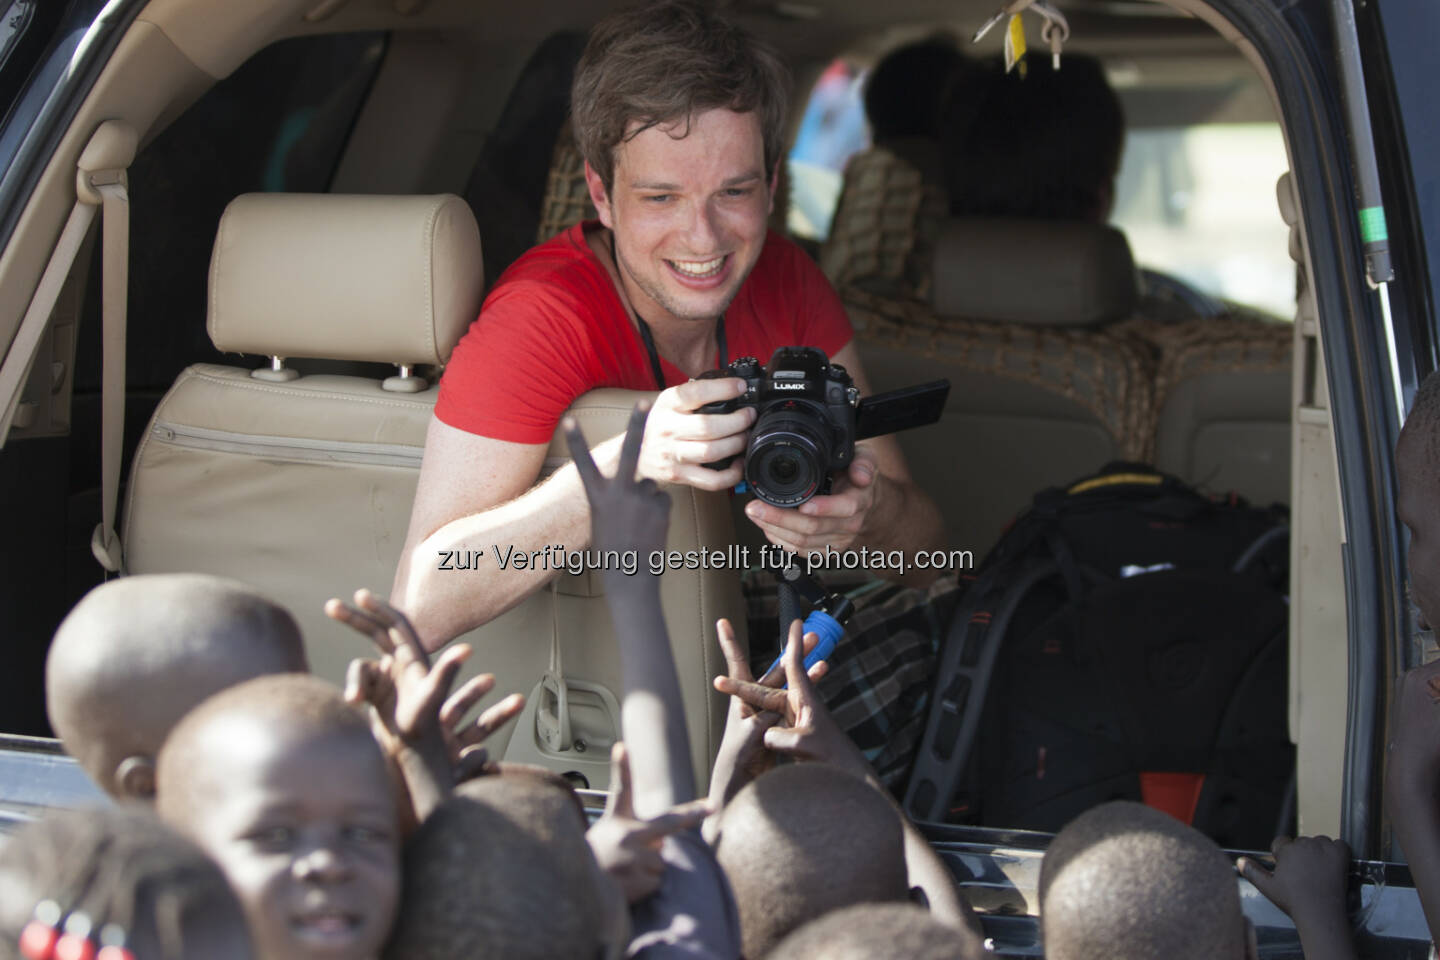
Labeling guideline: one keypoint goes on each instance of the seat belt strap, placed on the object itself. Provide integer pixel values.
(115, 257)
(21, 355)
(101, 181)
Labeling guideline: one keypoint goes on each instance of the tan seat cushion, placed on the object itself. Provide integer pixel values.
(1223, 398)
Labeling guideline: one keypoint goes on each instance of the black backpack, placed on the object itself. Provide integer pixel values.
(1126, 639)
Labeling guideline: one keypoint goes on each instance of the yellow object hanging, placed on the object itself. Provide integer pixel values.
(1015, 44)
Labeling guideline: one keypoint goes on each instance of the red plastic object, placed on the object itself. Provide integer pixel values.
(1175, 793)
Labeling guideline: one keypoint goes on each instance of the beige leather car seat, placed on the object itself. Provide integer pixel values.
(1222, 393)
(1041, 391)
(302, 485)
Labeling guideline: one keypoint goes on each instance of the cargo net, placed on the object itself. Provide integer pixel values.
(567, 198)
(883, 235)
(1103, 372)
(1241, 341)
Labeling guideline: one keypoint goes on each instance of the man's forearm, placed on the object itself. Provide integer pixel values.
(452, 581)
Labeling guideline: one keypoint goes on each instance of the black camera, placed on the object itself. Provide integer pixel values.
(810, 415)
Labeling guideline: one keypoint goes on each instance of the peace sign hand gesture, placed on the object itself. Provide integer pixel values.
(626, 514)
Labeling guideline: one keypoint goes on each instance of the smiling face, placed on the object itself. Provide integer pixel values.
(688, 209)
(304, 828)
(1418, 506)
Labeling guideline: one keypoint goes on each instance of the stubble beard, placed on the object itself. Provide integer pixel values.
(657, 292)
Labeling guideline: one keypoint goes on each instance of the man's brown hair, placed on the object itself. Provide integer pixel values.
(664, 62)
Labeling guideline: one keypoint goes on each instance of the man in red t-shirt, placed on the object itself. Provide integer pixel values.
(680, 116)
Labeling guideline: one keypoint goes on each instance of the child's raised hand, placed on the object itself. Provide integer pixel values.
(464, 740)
(1308, 883)
(1309, 876)
(742, 755)
(407, 692)
(625, 514)
(627, 847)
(404, 687)
(806, 730)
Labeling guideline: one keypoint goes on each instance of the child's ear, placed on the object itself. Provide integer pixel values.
(135, 778)
(1252, 945)
(918, 897)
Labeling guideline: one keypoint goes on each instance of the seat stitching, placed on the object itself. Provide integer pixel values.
(302, 394)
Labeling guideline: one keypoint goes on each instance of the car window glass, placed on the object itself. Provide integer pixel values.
(1198, 202)
(832, 129)
(26, 27)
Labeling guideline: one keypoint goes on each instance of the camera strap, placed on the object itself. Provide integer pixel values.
(645, 335)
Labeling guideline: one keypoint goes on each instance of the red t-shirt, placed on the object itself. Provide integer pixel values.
(554, 327)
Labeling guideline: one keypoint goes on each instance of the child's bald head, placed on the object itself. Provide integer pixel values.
(283, 784)
(540, 801)
(1124, 880)
(873, 930)
(803, 840)
(501, 870)
(136, 654)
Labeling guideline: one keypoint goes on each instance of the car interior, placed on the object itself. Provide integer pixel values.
(275, 406)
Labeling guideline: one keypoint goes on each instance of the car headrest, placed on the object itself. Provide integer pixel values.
(1045, 273)
(394, 279)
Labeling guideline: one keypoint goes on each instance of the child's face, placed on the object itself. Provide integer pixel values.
(1418, 505)
(304, 829)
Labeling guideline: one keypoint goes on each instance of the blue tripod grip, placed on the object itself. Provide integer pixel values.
(828, 629)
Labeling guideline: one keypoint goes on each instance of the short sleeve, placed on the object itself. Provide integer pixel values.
(519, 366)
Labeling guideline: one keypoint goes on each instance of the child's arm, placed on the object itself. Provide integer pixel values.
(628, 847)
(407, 692)
(743, 755)
(1308, 883)
(807, 731)
(634, 516)
(1412, 776)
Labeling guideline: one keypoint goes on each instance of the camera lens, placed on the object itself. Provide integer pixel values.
(782, 469)
(785, 463)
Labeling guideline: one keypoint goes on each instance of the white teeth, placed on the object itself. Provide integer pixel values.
(692, 269)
